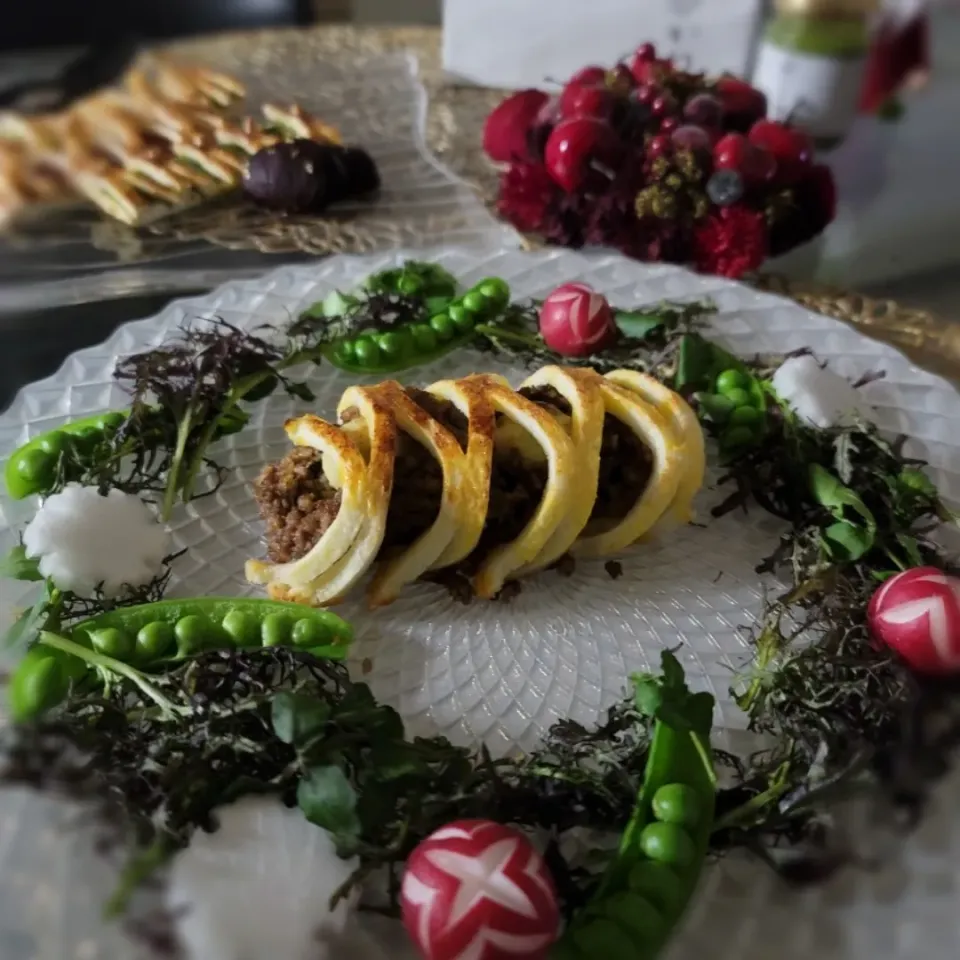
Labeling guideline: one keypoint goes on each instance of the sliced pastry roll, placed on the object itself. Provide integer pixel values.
(469, 480)
(686, 429)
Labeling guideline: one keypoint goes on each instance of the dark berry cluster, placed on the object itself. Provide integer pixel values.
(661, 164)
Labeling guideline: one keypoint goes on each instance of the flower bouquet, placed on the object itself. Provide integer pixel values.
(660, 164)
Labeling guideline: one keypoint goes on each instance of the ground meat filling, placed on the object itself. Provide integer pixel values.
(625, 468)
(296, 502)
(418, 475)
(443, 411)
(548, 398)
(516, 488)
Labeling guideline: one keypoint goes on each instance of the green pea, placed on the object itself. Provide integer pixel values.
(35, 466)
(87, 439)
(738, 437)
(37, 684)
(366, 351)
(716, 406)
(495, 290)
(732, 380)
(602, 937)
(738, 397)
(443, 326)
(410, 284)
(424, 337)
(309, 633)
(52, 444)
(345, 351)
(393, 344)
(275, 629)
(746, 417)
(196, 632)
(667, 843)
(658, 883)
(242, 628)
(637, 916)
(460, 315)
(677, 803)
(475, 302)
(113, 642)
(155, 640)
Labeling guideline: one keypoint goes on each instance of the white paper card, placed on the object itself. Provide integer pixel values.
(524, 43)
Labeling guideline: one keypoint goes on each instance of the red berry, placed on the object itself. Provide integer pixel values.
(791, 148)
(659, 146)
(734, 151)
(664, 104)
(646, 51)
(576, 145)
(575, 320)
(669, 124)
(703, 110)
(690, 137)
(581, 101)
(740, 98)
(620, 79)
(646, 93)
(506, 128)
(645, 66)
(591, 76)
(729, 151)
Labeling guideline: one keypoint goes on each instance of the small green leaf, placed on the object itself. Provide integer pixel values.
(695, 362)
(298, 719)
(850, 540)
(916, 481)
(911, 548)
(299, 390)
(830, 493)
(636, 324)
(26, 628)
(327, 799)
(394, 761)
(16, 565)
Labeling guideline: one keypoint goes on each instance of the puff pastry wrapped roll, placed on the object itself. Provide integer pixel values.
(473, 480)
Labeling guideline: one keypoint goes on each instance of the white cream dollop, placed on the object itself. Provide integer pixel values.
(816, 394)
(259, 887)
(84, 540)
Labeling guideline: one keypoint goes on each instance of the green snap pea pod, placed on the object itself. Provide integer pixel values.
(421, 342)
(649, 884)
(171, 629)
(155, 634)
(32, 468)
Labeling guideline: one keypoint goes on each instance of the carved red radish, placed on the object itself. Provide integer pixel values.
(917, 614)
(478, 890)
(575, 320)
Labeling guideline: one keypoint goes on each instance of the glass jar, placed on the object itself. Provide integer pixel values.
(811, 63)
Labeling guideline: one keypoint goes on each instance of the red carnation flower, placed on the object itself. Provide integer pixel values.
(526, 193)
(732, 242)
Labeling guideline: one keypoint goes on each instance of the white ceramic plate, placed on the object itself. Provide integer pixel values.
(564, 647)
